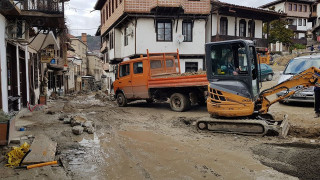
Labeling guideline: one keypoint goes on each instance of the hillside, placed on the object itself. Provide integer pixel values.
(94, 42)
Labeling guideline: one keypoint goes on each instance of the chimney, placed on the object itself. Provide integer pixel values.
(84, 37)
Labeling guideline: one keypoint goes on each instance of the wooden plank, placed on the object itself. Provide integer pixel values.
(43, 150)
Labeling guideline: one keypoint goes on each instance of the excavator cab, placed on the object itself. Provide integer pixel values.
(232, 71)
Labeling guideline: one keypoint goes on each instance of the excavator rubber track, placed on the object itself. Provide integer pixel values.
(252, 127)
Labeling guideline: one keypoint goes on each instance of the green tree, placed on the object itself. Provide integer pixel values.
(279, 33)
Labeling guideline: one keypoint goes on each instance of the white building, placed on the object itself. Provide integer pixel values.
(130, 29)
(298, 12)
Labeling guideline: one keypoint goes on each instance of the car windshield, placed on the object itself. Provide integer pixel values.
(297, 66)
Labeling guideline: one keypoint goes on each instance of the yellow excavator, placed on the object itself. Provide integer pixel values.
(234, 99)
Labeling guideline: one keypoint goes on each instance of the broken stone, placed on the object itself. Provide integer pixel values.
(28, 114)
(62, 116)
(78, 121)
(24, 138)
(30, 136)
(90, 130)
(77, 130)
(88, 124)
(66, 121)
(312, 141)
(50, 112)
(15, 141)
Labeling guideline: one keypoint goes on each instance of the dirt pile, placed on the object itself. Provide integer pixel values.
(283, 60)
(200, 72)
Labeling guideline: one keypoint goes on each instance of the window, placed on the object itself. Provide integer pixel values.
(300, 8)
(102, 17)
(228, 59)
(125, 36)
(314, 9)
(305, 8)
(295, 7)
(137, 68)
(112, 5)
(124, 70)
(111, 41)
(251, 28)
(224, 26)
(187, 31)
(300, 22)
(164, 30)
(155, 64)
(116, 4)
(191, 67)
(304, 22)
(242, 28)
(107, 14)
(290, 7)
(109, 8)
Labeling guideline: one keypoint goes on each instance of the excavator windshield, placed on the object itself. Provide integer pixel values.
(232, 66)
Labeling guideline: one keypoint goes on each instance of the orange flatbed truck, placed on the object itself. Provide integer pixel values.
(157, 76)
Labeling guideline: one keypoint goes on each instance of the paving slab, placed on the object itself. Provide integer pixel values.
(43, 150)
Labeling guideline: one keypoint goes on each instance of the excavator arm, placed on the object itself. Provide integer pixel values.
(306, 78)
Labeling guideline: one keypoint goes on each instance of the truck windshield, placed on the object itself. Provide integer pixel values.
(299, 65)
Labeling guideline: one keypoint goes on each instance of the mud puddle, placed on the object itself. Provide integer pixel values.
(295, 159)
(87, 158)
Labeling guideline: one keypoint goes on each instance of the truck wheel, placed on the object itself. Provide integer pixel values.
(149, 101)
(179, 102)
(121, 100)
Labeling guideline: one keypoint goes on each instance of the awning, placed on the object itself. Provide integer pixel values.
(41, 41)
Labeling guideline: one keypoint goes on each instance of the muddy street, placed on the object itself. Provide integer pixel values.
(152, 142)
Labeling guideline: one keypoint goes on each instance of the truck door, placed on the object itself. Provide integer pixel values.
(139, 80)
(124, 82)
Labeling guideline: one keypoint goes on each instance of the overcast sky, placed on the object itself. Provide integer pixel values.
(80, 18)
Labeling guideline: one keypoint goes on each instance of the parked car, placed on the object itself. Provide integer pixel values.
(266, 72)
(295, 66)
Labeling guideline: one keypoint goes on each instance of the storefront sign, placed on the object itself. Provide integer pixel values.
(47, 54)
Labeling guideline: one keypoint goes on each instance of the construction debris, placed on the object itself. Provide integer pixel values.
(77, 130)
(78, 121)
(16, 154)
(43, 150)
(67, 121)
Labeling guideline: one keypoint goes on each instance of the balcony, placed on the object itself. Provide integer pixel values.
(38, 13)
(292, 27)
(259, 42)
(300, 41)
(44, 6)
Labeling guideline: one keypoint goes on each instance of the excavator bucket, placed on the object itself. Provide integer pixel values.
(252, 127)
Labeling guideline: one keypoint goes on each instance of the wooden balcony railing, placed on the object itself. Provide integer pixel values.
(45, 6)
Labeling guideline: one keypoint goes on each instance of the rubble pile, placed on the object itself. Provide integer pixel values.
(283, 60)
(79, 124)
